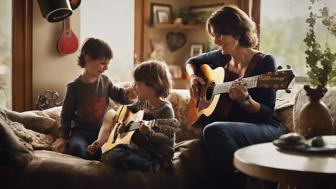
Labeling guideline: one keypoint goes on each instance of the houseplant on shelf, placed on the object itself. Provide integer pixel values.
(315, 117)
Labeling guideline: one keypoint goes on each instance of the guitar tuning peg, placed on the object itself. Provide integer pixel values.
(288, 91)
(279, 68)
(288, 66)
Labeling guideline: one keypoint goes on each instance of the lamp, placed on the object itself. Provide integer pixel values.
(55, 10)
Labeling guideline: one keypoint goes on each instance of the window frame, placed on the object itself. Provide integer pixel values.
(22, 55)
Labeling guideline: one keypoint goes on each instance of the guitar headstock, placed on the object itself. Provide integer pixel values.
(276, 80)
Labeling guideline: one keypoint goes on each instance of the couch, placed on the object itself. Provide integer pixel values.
(42, 168)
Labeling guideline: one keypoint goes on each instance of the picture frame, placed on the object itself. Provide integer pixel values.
(202, 12)
(161, 13)
(162, 16)
(196, 49)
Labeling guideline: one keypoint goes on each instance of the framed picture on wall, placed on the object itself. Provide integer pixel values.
(161, 13)
(196, 49)
(202, 12)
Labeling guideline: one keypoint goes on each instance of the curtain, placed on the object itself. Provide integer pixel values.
(252, 8)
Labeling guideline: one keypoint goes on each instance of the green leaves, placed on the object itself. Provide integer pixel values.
(320, 63)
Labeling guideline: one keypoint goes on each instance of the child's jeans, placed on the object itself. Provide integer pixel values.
(125, 157)
(79, 141)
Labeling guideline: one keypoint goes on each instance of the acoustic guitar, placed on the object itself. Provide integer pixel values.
(67, 42)
(215, 93)
(127, 122)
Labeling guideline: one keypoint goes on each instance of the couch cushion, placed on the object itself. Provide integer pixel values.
(12, 151)
(284, 110)
(33, 139)
(46, 122)
(179, 99)
(54, 171)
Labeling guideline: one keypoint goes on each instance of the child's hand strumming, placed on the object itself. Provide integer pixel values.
(145, 129)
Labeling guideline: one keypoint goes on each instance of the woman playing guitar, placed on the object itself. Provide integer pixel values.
(242, 116)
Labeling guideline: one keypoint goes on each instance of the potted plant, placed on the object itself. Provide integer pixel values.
(315, 117)
(320, 62)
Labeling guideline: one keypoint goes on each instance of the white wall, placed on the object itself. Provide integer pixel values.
(51, 70)
(113, 22)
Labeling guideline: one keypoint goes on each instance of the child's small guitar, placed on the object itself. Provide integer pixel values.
(126, 122)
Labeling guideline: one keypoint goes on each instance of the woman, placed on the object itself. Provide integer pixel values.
(251, 118)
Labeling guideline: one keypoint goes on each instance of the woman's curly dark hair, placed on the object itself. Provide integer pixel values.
(230, 20)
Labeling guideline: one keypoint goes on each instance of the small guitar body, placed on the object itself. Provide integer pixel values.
(123, 119)
(67, 42)
(126, 122)
(215, 92)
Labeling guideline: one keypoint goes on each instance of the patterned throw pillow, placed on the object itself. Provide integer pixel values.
(13, 151)
(36, 130)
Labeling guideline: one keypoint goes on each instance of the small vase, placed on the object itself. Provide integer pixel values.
(314, 117)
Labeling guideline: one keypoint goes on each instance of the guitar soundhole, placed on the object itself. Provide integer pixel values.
(209, 91)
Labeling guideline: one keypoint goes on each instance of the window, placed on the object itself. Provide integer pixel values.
(6, 54)
(112, 22)
(283, 29)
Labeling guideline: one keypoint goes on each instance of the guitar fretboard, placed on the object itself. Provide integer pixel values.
(249, 82)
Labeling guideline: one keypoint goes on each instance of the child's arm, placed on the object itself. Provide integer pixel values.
(161, 138)
(67, 114)
(121, 95)
(104, 132)
(163, 132)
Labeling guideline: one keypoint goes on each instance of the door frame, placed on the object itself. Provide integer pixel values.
(22, 55)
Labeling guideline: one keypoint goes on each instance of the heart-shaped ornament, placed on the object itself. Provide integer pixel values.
(175, 40)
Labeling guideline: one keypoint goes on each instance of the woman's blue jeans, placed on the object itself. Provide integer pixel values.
(221, 139)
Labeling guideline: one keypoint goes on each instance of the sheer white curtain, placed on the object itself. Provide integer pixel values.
(6, 53)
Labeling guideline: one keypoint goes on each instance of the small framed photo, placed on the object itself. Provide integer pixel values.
(162, 16)
(161, 13)
(196, 49)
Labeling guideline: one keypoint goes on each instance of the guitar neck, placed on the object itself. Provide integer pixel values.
(163, 124)
(66, 24)
(249, 82)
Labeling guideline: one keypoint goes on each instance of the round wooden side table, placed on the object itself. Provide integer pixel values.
(290, 169)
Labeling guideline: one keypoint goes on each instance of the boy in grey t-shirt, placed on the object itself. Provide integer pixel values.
(150, 146)
(86, 101)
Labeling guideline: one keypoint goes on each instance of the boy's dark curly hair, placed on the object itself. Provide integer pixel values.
(95, 49)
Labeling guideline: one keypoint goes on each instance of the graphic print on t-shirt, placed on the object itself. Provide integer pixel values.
(95, 109)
